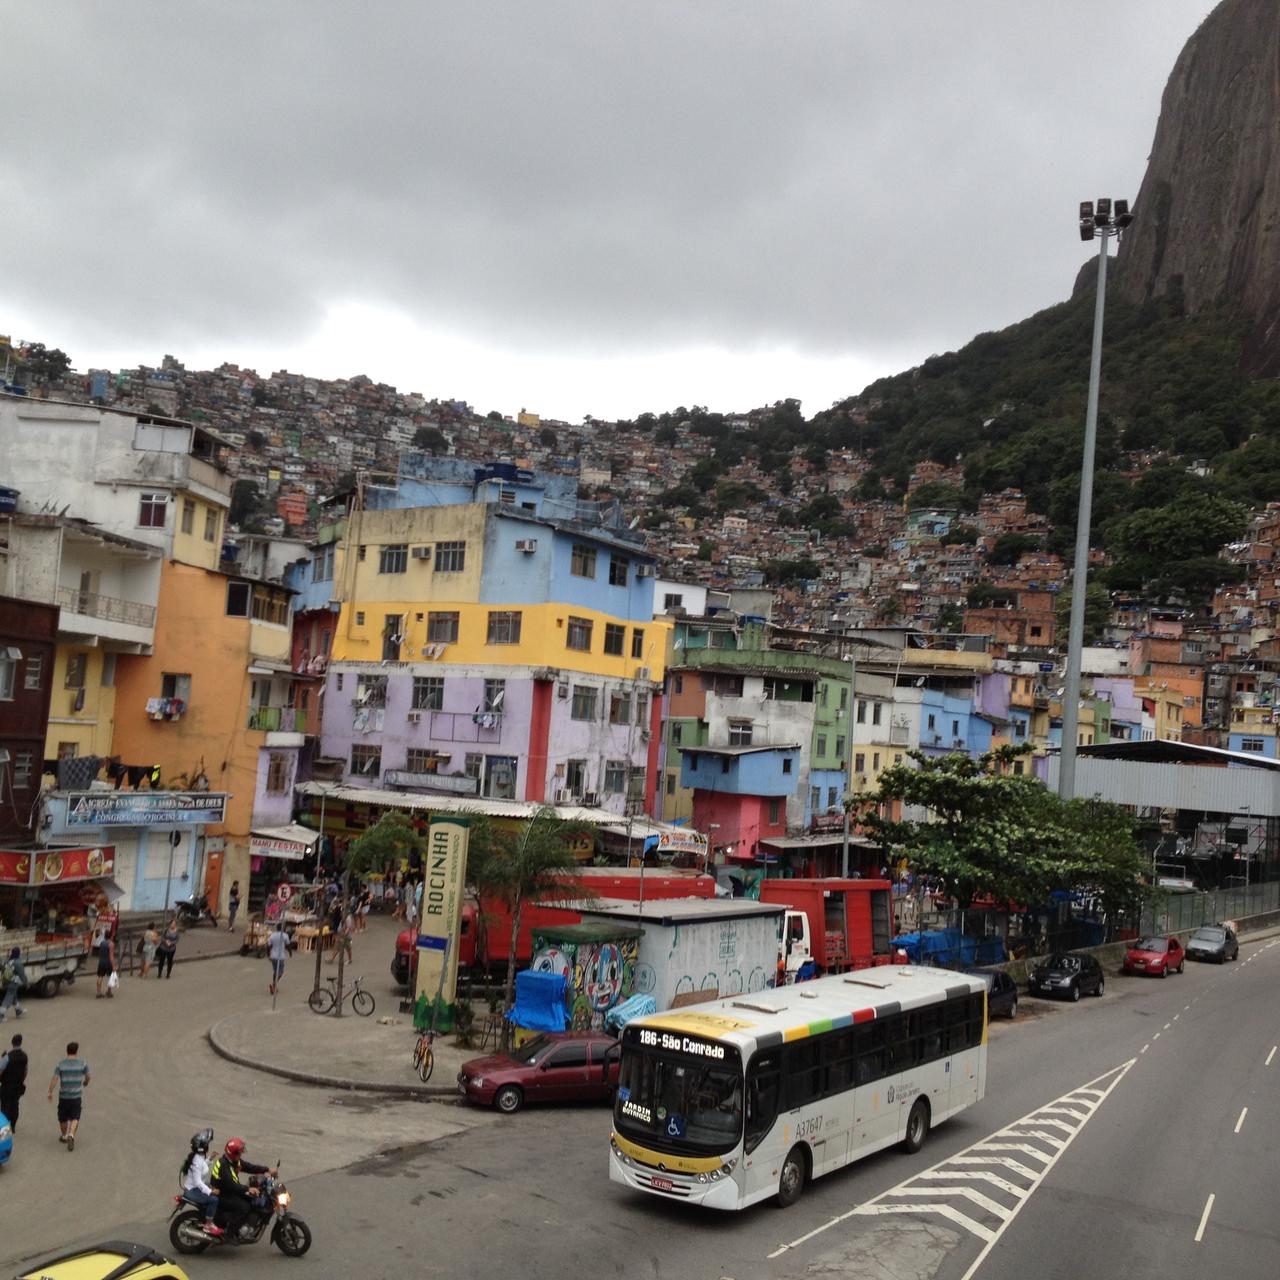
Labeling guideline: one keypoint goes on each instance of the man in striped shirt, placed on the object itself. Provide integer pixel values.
(71, 1075)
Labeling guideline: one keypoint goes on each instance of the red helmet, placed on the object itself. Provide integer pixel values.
(234, 1148)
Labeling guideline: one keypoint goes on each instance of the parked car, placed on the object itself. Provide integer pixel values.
(568, 1066)
(1213, 942)
(1002, 992)
(1155, 954)
(1069, 974)
(115, 1260)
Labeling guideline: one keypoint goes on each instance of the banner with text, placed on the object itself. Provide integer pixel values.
(444, 868)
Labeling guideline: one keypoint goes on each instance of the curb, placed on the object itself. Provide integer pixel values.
(424, 1092)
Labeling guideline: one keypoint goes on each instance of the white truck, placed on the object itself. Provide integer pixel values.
(48, 963)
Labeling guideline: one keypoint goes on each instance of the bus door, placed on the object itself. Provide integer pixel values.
(875, 1117)
(901, 1058)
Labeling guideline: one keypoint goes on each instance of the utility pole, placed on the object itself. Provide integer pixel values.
(851, 719)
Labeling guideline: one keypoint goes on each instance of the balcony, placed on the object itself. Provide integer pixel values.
(277, 720)
(89, 613)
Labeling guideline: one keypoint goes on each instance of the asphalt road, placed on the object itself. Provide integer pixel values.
(1106, 1127)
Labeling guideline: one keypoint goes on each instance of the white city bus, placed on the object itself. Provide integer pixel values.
(727, 1103)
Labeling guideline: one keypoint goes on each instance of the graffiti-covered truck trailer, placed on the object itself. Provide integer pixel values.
(698, 947)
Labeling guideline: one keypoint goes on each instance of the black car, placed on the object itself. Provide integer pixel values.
(1002, 994)
(1068, 974)
(1213, 942)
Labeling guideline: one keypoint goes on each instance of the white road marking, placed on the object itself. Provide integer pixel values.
(1145, 1047)
(1015, 1180)
(1204, 1219)
(1270, 1056)
(1240, 1123)
(1155, 1037)
(1176, 1016)
(1166, 1026)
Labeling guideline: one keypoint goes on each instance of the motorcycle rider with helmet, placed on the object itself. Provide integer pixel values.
(235, 1195)
(196, 1178)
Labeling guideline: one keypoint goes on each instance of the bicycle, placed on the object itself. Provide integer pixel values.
(424, 1058)
(325, 999)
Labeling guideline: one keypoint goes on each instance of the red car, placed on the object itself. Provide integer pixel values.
(1155, 955)
(568, 1066)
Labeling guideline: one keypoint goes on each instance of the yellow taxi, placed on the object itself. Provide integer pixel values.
(115, 1260)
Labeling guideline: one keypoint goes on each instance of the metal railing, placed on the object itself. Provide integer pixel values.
(93, 604)
(1181, 911)
(273, 719)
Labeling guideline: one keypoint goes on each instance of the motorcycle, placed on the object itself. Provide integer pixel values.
(193, 910)
(270, 1204)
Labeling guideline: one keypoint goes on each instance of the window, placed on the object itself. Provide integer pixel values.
(575, 776)
(620, 708)
(24, 764)
(188, 516)
(821, 746)
(420, 760)
(614, 638)
(451, 557)
(671, 784)
(615, 777)
(773, 812)
(670, 601)
(108, 677)
(77, 663)
(66, 750)
(637, 642)
(371, 691)
(361, 552)
(642, 709)
(428, 693)
(677, 732)
(740, 733)
(862, 711)
(933, 721)
(844, 698)
(8, 673)
(1036, 633)
(786, 764)
(359, 617)
(582, 561)
(210, 525)
(174, 684)
(393, 558)
(442, 628)
(579, 634)
(822, 695)
(270, 606)
(152, 510)
(678, 683)
(875, 762)
(584, 702)
(322, 565)
(504, 626)
(366, 761)
(859, 762)
(472, 765)
(815, 798)
(1252, 744)
(840, 745)
(619, 568)
(876, 708)
(238, 599)
(495, 694)
(392, 636)
(1017, 767)
(277, 773)
(833, 797)
(955, 728)
(34, 674)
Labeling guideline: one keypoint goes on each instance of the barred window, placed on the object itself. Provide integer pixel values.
(579, 634)
(451, 557)
(504, 627)
(582, 562)
(428, 693)
(393, 558)
(584, 702)
(614, 638)
(442, 628)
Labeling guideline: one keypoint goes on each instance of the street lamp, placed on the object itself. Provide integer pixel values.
(1103, 222)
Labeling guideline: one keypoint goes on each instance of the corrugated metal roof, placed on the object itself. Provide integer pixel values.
(454, 804)
(1162, 751)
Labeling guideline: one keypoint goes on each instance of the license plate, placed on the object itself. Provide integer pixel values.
(661, 1184)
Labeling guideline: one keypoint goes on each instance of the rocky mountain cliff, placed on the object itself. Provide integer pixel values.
(1208, 211)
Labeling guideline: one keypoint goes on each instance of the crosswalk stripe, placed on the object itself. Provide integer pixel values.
(1024, 1147)
(1039, 1137)
(1030, 1174)
(984, 1174)
(1058, 1124)
(942, 1210)
(974, 1197)
(1064, 1111)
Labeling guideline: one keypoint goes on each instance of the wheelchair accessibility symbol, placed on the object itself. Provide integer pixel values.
(675, 1126)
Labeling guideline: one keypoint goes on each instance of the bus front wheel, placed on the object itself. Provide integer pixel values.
(917, 1127)
(791, 1181)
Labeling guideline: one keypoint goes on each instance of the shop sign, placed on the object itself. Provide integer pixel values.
(145, 808)
(443, 872)
(669, 843)
(59, 866)
(15, 866)
(264, 847)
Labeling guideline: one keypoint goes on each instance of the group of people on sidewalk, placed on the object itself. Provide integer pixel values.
(70, 1078)
(155, 947)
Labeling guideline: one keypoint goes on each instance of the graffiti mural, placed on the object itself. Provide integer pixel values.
(601, 973)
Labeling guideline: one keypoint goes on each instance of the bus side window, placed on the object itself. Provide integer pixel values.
(977, 1016)
(868, 1042)
(837, 1061)
(903, 1050)
(763, 1080)
(926, 1027)
(803, 1083)
(955, 1020)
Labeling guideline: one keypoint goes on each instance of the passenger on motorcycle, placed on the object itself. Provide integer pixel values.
(236, 1195)
(195, 1176)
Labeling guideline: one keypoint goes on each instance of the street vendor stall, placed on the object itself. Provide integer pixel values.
(296, 907)
(278, 855)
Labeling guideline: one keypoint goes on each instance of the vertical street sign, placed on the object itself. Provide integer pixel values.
(443, 882)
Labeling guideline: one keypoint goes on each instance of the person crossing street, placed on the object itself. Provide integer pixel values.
(71, 1075)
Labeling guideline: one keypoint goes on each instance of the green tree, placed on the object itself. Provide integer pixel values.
(666, 434)
(1097, 610)
(431, 440)
(392, 839)
(888, 609)
(951, 618)
(535, 864)
(547, 438)
(39, 365)
(1009, 548)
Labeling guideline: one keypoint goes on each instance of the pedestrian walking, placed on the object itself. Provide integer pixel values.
(150, 941)
(106, 949)
(278, 950)
(71, 1075)
(13, 1080)
(13, 977)
(362, 909)
(346, 930)
(233, 905)
(164, 952)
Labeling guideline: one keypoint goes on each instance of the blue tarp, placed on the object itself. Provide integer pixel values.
(950, 947)
(539, 1002)
(623, 1012)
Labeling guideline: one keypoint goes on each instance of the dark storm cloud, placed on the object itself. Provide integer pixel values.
(842, 177)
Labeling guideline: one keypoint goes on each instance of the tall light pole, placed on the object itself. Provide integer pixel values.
(850, 720)
(1100, 223)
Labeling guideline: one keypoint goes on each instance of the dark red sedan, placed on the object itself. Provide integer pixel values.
(568, 1066)
(1157, 955)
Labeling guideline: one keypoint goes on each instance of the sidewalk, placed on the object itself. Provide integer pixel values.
(373, 1054)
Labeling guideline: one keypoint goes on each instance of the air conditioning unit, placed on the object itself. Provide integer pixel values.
(562, 691)
(562, 796)
(642, 673)
(414, 717)
(644, 571)
(527, 545)
(590, 798)
(421, 553)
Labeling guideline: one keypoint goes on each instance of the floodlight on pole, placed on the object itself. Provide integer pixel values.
(1102, 220)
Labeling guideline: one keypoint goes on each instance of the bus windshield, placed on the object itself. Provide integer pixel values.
(668, 1103)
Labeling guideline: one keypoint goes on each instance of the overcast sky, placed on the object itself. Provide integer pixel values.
(575, 207)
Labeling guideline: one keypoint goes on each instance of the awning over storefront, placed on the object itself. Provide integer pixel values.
(292, 841)
(50, 866)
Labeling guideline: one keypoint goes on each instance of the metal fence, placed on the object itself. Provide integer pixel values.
(1179, 911)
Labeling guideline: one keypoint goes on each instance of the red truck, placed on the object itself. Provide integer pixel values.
(837, 924)
(485, 936)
